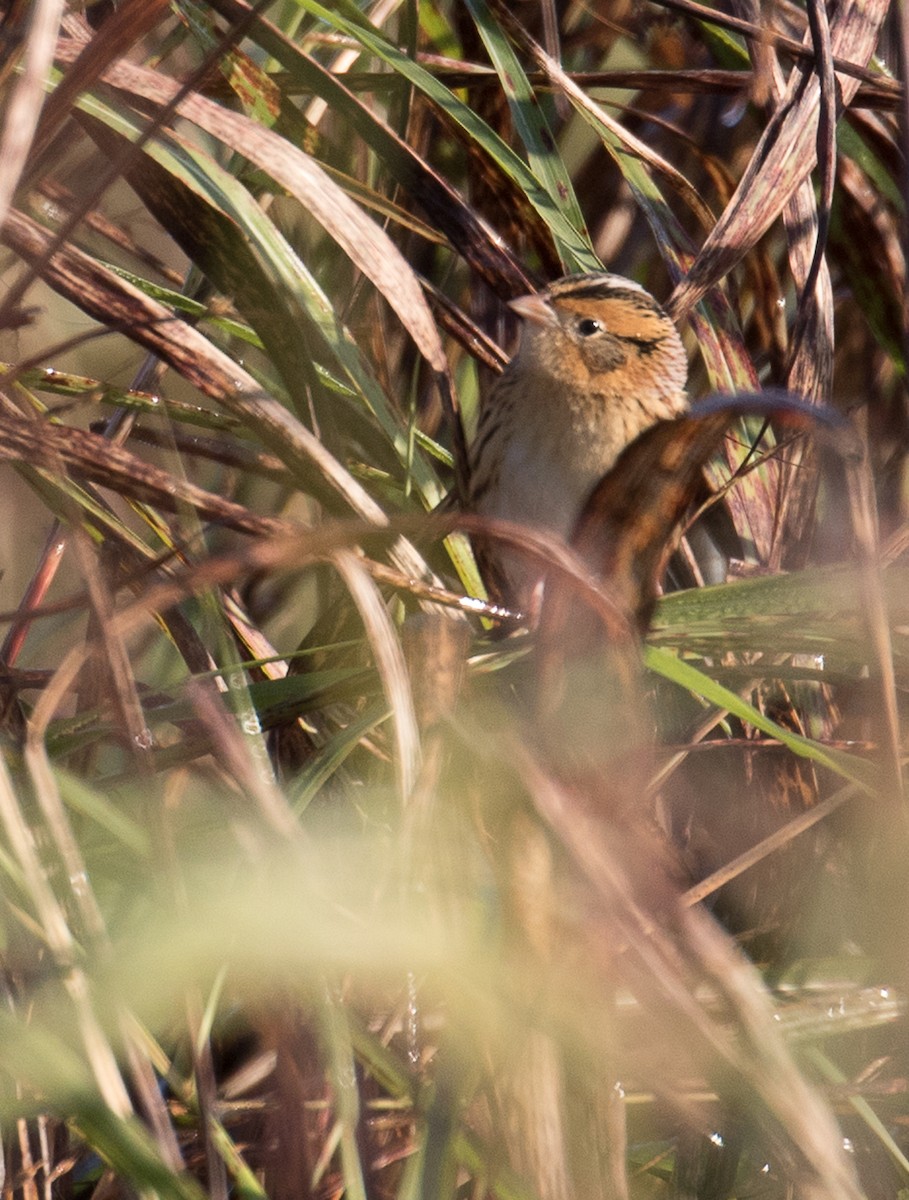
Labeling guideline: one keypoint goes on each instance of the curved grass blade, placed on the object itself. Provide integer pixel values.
(850, 767)
(574, 250)
(199, 172)
(361, 238)
(475, 240)
(100, 293)
(784, 156)
(334, 754)
(23, 106)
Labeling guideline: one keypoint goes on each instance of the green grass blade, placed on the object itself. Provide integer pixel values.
(529, 119)
(572, 246)
(863, 773)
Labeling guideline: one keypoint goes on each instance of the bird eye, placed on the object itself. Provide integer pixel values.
(588, 326)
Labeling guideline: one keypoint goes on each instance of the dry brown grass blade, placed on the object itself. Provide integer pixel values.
(24, 106)
(769, 845)
(811, 341)
(875, 91)
(125, 26)
(798, 50)
(864, 515)
(115, 302)
(386, 647)
(37, 588)
(475, 240)
(587, 780)
(625, 532)
(111, 685)
(784, 156)
(361, 238)
(638, 905)
(826, 152)
(56, 448)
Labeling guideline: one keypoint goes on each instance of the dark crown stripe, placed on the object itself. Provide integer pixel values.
(605, 289)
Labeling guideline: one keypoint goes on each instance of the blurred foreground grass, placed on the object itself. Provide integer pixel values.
(448, 948)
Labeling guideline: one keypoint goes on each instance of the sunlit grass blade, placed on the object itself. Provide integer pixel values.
(575, 253)
(849, 766)
(528, 116)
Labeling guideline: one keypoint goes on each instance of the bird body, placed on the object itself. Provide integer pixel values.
(597, 364)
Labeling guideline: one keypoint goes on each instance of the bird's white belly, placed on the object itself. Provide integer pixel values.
(536, 489)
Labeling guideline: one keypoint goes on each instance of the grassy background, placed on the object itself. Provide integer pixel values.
(310, 886)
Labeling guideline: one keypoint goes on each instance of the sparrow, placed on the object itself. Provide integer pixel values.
(598, 362)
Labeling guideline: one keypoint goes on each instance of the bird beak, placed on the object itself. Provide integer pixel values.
(534, 309)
